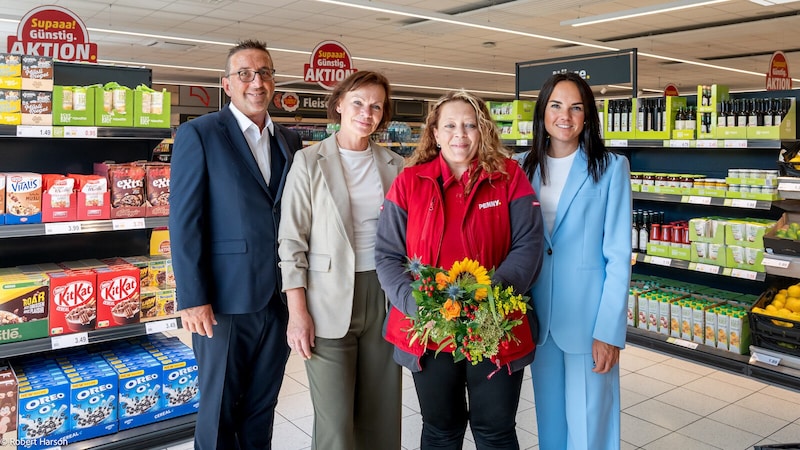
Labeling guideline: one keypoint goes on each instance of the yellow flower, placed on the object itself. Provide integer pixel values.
(451, 309)
(442, 280)
(475, 270)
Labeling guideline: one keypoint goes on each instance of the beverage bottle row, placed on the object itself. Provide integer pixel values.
(651, 115)
(641, 223)
(620, 115)
(756, 112)
(685, 118)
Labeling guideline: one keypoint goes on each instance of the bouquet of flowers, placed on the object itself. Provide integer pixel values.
(459, 309)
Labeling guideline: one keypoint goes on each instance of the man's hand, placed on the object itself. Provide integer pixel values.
(199, 319)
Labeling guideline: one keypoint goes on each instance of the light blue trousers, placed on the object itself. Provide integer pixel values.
(576, 409)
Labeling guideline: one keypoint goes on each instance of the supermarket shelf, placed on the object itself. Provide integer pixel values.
(92, 337)
(702, 200)
(155, 435)
(698, 267)
(782, 265)
(784, 376)
(85, 226)
(699, 144)
(95, 132)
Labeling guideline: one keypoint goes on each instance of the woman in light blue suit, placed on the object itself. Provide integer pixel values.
(581, 293)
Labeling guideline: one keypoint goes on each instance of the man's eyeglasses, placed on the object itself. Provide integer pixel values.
(248, 75)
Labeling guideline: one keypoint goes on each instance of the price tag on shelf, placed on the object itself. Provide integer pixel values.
(682, 343)
(698, 200)
(735, 143)
(707, 143)
(679, 143)
(522, 143)
(35, 131)
(618, 143)
(744, 274)
(766, 359)
(69, 340)
(743, 203)
(62, 228)
(80, 132)
(707, 268)
(783, 186)
(160, 326)
(135, 223)
(779, 263)
(660, 261)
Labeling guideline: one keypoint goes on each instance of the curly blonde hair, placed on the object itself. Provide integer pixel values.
(491, 152)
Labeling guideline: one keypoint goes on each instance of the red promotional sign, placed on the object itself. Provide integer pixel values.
(330, 63)
(778, 78)
(671, 90)
(55, 32)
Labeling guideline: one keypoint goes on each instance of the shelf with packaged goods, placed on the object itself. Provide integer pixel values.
(85, 226)
(704, 200)
(697, 267)
(58, 342)
(66, 132)
(699, 144)
(742, 364)
(154, 435)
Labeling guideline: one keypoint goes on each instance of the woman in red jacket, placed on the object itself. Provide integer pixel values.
(461, 196)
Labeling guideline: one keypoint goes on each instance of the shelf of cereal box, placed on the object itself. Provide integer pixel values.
(110, 334)
(154, 435)
(85, 226)
(57, 132)
(703, 200)
(697, 267)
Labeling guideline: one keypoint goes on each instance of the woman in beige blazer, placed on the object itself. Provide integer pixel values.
(329, 214)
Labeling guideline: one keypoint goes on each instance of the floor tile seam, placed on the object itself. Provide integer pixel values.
(796, 419)
(760, 438)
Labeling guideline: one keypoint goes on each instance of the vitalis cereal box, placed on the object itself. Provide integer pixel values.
(73, 301)
(23, 198)
(117, 295)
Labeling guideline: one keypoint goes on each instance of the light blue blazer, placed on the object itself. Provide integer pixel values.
(581, 293)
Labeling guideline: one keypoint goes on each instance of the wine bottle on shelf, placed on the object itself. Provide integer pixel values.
(641, 115)
(680, 121)
(691, 119)
(752, 114)
(635, 231)
(742, 114)
(625, 116)
(721, 115)
(617, 115)
(662, 114)
(732, 113)
(769, 112)
(610, 119)
(644, 232)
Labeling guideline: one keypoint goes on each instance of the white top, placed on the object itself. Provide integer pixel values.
(366, 198)
(258, 141)
(550, 193)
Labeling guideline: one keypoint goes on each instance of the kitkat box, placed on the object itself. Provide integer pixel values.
(73, 302)
(117, 295)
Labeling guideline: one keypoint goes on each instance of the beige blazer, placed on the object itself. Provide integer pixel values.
(315, 238)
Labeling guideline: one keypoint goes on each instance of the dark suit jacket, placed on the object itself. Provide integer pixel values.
(223, 219)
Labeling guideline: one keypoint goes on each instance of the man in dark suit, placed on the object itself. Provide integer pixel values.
(228, 170)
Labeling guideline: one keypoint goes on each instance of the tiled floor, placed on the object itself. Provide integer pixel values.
(667, 403)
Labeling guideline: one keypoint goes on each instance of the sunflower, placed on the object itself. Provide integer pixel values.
(472, 269)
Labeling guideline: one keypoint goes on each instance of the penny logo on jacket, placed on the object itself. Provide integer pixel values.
(490, 204)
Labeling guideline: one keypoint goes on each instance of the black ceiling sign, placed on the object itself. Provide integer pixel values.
(597, 69)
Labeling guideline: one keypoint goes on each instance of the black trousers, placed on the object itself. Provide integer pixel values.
(240, 372)
(489, 405)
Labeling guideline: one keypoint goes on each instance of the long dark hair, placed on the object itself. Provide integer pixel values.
(596, 152)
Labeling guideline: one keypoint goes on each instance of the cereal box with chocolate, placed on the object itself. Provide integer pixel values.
(8, 404)
(37, 73)
(93, 197)
(37, 108)
(117, 296)
(10, 65)
(24, 305)
(157, 177)
(43, 409)
(58, 198)
(127, 185)
(10, 106)
(140, 387)
(73, 302)
(23, 198)
(94, 390)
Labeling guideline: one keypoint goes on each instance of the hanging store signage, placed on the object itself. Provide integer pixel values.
(597, 69)
(293, 104)
(671, 91)
(778, 78)
(55, 32)
(329, 64)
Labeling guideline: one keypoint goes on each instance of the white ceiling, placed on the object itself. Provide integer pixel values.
(737, 34)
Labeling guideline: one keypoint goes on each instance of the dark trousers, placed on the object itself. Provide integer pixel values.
(492, 403)
(240, 375)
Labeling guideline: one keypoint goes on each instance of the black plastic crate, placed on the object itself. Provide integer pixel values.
(769, 335)
(778, 446)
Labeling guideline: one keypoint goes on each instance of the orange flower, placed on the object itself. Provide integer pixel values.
(451, 309)
(441, 280)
